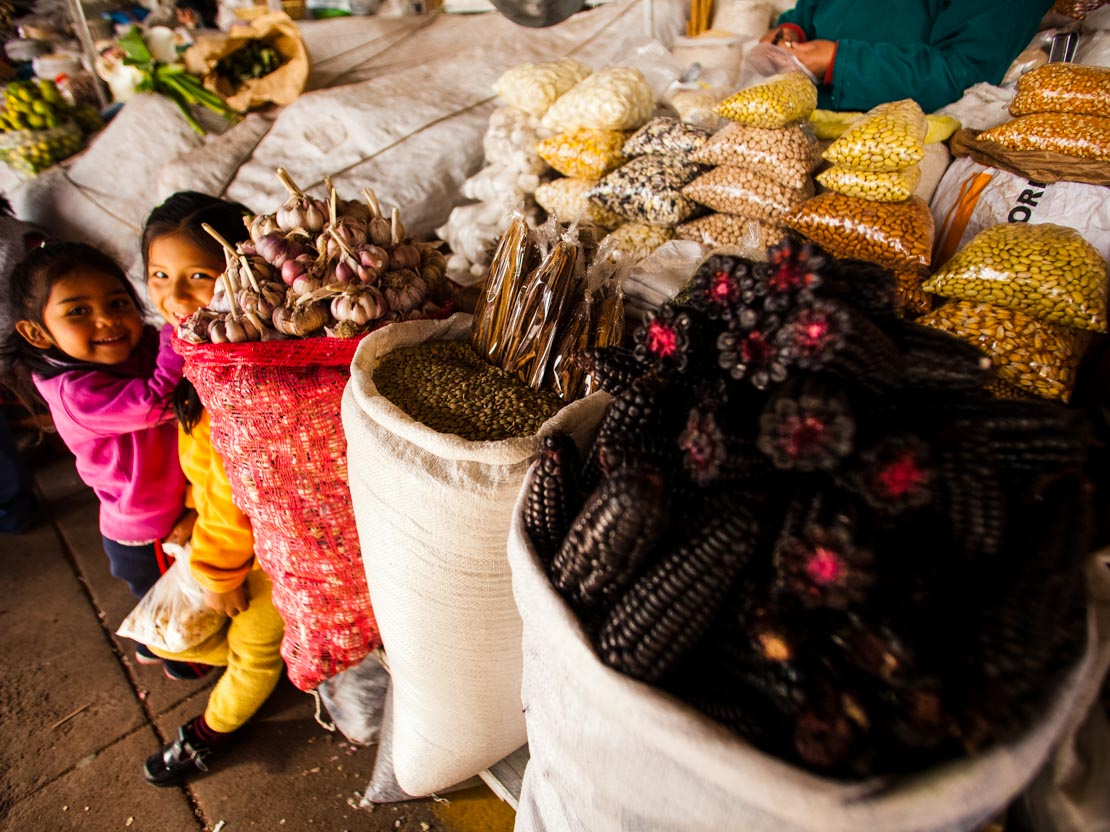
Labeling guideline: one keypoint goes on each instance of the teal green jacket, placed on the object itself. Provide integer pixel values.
(927, 50)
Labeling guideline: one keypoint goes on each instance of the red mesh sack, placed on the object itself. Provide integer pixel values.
(274, 409)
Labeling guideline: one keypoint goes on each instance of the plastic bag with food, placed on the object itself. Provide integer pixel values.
(888, 137)
(584, 153)
(875, 186)
(744, 192)
(510, 140)
(634, 241)
(1063, 88)
(534, 87)
(666, 136)
(569, 198)
(615, 98)
(1047, 271)
(172, 617)
(775, 102)
(648, 189)
(1067, 133)
(750, 235)
(787, 155)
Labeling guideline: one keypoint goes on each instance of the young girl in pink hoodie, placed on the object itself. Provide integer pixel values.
(107, 379)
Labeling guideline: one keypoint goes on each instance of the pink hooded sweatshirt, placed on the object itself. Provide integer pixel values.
(119, 425)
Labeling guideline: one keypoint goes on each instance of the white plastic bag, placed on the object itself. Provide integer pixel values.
(433, 513)
(355, 700)
(172, 616)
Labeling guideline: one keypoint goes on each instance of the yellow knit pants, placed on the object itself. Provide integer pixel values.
(250, 648)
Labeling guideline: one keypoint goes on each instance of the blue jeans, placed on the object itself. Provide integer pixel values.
(138, 565)
(17, 500)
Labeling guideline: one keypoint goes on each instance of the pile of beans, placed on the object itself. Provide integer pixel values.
(666, 136)
(648, 189)
(776, 102)
(898, 235)
(1028, 354)
(788, 154)
(447, 387)
(568, 198)
(1046, 271)
(893, 186)
(889, 137)
(584, 153)
(616, 98)
(744, 192)
(727, 230)
(1063, 88)
(534, 87)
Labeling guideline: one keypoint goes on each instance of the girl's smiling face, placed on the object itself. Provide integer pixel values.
(180, 276)
(90, 316)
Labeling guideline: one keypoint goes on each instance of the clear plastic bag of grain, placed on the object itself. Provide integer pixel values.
(1073, 135)
(510, 140)
(898, 235)
(649, 189)
(695, 106)
(569, 198)
(888, 137)
(615, 98)
(876, 186)
(913, 300)
(666, 136)
(533, 87)
(776, 102)
(1063, 88)
(744, 192)
(788, 155)
(584, 153)
(1034, 356)
(1046, 271)
(744, 233)
(634, 241)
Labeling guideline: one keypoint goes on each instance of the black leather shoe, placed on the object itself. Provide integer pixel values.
(178, 761)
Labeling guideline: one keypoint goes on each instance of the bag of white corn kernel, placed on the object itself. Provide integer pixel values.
(433, 513)
(888, 137)
(648, 189)
(1047, 271)
(534, 87)
(876, 186)
(568, 197)
(1038, 358)
(774, 102)
(615, 98)
(584, 153)
(972, 197)
(611, 754)
(787, 155)
(746, 193)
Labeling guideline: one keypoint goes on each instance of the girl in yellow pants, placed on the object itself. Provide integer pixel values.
(183, 263)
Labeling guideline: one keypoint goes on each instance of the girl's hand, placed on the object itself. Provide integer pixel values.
(183, 529)
(230, 603)
(815, 55)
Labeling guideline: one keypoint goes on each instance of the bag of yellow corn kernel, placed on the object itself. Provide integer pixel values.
(1028, 354)
(775, 102)
(1067, 133)
(534, 87)
(584, 153)
(898, 235)
(1063, 88)
(567, 198)
(886, 138)
(744, 192)
(1047, 271)
(876, 186)
(787, 155)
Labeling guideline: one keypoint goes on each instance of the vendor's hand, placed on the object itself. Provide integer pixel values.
(183, 529)
(230, 603)
(781, 34)
(815, 55)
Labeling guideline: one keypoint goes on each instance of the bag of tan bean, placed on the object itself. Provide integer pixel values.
(610, 754)
(744, 192)
(433, 512)
(787, 155)
(749, 235)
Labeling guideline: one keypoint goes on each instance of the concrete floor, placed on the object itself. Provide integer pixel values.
(78, 716)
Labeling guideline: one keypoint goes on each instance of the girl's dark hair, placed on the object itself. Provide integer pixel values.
(30, 284)
(184, 214)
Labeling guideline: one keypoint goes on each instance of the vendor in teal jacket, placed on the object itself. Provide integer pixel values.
(866, 52)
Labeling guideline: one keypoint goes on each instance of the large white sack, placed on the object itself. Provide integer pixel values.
(433, 513)
(981, 107)
(609, 754)
(972, 197)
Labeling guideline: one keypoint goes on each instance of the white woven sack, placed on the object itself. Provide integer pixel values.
(433, 513)
(609, 754)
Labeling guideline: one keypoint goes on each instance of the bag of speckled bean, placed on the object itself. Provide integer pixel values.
(875, 186)
(648, 189)
(898, 235)
(667, 136)
(787, 155)
(746, 193)
(1047, 271)
(584, 153)
(886, 138)
(1073, 135)
(615, 98)
(729, 230)
(569, 199)
(534, 87)
(1063, 88)
(1034, 356)
(775, 102)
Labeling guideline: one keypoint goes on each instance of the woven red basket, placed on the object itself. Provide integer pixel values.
(274, 409)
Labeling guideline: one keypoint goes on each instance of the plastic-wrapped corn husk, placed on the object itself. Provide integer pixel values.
(534, 87)
(472, 231)
(615, 98)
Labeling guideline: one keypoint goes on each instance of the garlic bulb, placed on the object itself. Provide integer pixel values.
(271, 296)
(300, 319)
(404, 290)
(350, 231)
(261, 225)
(302, 264)
(305, 283)
(276, 249)
(360, 306)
